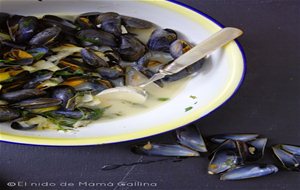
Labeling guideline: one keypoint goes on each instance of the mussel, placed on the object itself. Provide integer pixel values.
(63, 93)
(8, 114)
(161, 40)
(92, 59)
(164, 150)
(191, 137)
(96, 37)
(131, 49)
(46, 36)
(249, 171)
(23, 94)
(287, 159)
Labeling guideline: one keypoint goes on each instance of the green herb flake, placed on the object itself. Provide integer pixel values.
(188, 108)
(193, 97)
(163, 99)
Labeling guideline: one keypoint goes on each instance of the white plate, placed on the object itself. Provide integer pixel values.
(214, 85)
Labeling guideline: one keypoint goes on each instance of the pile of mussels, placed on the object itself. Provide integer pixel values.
(51, 68)
(234, 156)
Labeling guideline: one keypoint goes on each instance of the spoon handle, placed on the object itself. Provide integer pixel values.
(198, 52)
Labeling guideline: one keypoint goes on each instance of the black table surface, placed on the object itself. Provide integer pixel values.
(268, 103)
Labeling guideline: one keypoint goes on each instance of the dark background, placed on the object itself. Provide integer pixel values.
(267, 103)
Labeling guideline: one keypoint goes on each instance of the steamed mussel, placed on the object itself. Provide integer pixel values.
(52, 68)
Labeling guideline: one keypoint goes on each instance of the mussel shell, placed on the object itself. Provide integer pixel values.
(63, 93)
(161, 39)
(8, 114)
(131, 49)
(27, 27)
(112, 25)
(66, 25)
(87, 20)
(179, 47)
(13, 25)
(249, 171)
(132, 22)
(295, 150)
(38, 53)
(38, 77)
(96, 37)
(18, 57)
(222, 161)
(256, 149)
(151, 149)
(240, 137)
(288, 160)
(37, 103)
(134, 77)
(102, 17)
(191, 137)
(23, 94)
(22, 124)
(113, 57)
(46, 36)
(111, 72)
(92, 59)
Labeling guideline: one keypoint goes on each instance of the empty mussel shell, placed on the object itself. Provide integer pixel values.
(25, 123)
(288, 160)
(249, 171)
(164, 150)
(222, 161)
(240, 137)
(191, 137)
(256, 149)
(295, 150)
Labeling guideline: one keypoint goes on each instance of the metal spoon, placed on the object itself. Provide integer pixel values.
(139, 95)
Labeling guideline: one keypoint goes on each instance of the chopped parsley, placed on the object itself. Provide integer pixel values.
(163, 99)
(188, 108)
(193, 97)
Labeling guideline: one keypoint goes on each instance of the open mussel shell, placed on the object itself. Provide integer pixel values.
(226, 145)
(161, 39)
(222, 161)
(295, 150)
(191, 137)
(134, 77)
(8, 114)
(23, 94)
(249, 171)
(112, 25)
(63, 93)
(18, 57)
(288, 160)
(27, 27)
(81, 113)
(240, 137)
(38, 77)
(151, 149)
(256, 149)
(37, 103)
(25, 123)
(46, 36)
(87, 20)
(179, 47)
(131, 49)
(13, 25)
(111, 72)
(92, 59)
